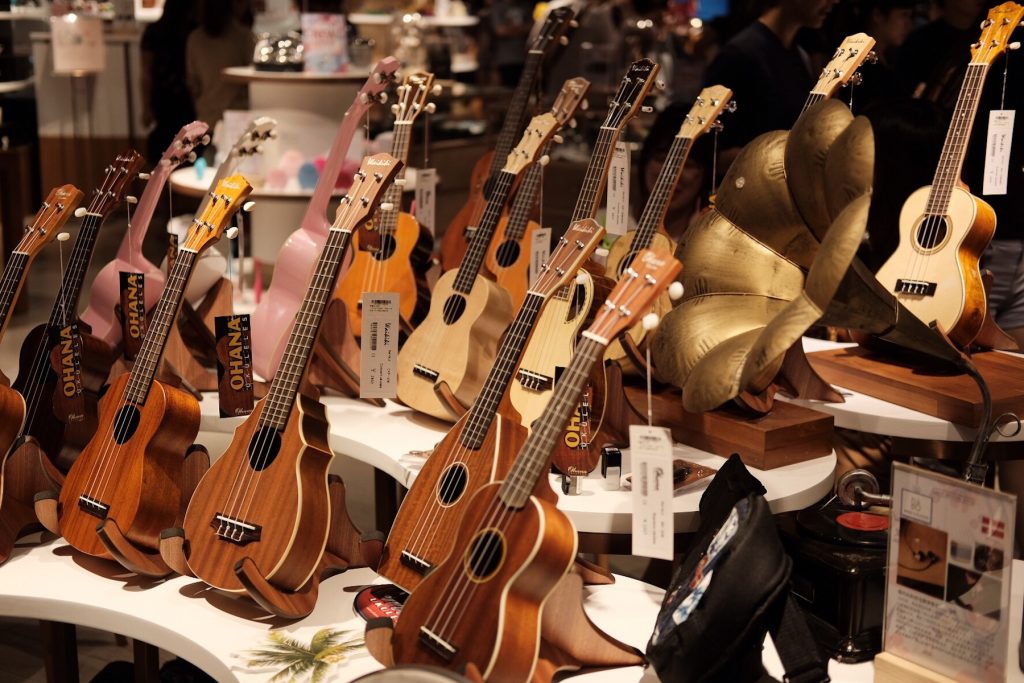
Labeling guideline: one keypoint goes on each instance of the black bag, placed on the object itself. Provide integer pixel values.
(729, 592)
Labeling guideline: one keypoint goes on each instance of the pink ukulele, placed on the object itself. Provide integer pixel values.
(106, 289)
(273, 318)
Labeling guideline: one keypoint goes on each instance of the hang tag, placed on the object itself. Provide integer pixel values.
(617, 221)
(66, 360)
(997, 151)
(540, 251)
(378, 356)
(426, 195)
(653, 524)
(234, 365)
(133, 312)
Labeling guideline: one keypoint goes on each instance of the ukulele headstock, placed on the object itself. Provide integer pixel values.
(574, 247)
(569, 99)
(996, 30)
(704, 114)
(182, 147)
(225, 200)
(119, 175)
(382, 76)
(644, 280)
(538, 133)
(632, 91)
(554, 30)
(845, 63)
(249, 142)
(57, 208)
(369, 183)
(412, 97)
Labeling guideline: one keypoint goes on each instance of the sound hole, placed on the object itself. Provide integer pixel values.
(579, 300)
(125, 424)
(263, 448)
(452, 484)
(454, 307)
(387, 248)
(931, 232)
(485, 555)
(508, 253)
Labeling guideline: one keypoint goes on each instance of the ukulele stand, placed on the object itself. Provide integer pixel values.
(188, 359)
(26, 470)
(991, 335)
(449, 400)
(335, 361)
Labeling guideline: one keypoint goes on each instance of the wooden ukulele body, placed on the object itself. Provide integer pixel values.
(458, 340)
(388, 269)
(496, 625)
(139, 480)
(509, 260)
(958, 304)
(455, 242)
(288, 500)
(433, 507)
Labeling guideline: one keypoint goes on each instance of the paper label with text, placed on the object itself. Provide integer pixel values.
(426, 196)
(540, 251)
(997, 151)
(378, 355)
(650, 450)
(617, 221)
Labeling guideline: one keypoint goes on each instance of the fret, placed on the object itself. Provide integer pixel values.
(12, 281)
(597, 174)
(512, 128)
(65, 306)
(485, 232)
(657, 204)
(526, 195)
(532, 461)
(388, 220)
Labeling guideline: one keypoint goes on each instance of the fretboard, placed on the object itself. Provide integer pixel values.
(10, 284)
(65, 306)
(597, 174)
(474, 258)
(484, 408)
(143, 214)
(166, 313)
(657, 203)
(288, 378)
(387, 220)
(535, 457)
(951, 161)
(522, 205)
(515, 119)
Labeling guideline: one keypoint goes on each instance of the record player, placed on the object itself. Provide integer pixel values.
(838, 553)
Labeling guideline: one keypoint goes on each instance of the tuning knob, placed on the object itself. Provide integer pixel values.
(231, 233)
(144, 176)
(131, 200)
(248, 206)
(675, 291)
(731, 107)
(394, 109)
(544, 160)
(81, 211)
(650, 321)
(382, 97)
(563, 41)
(581, 278)
(1015, 45)
(558, 139)
(573, 23)
(584, 105)
(387, 206)
(572, 123)
(63, 236)
(430, 108)
(646, 109)
(436, 90)
(205, 139)
(192, 156)
(400, 182)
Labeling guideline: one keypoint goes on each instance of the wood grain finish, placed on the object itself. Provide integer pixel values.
(140, 480)
(25, 472)
(508, 258)
(288, 500)
(494, 623)
(424, 523)
(455, 241)
(461, 352)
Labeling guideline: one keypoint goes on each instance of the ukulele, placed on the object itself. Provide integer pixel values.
(482, 604)
(943, 227)
(455, 345)
(481, 445)
(106, 288)
(60, 401)
(508, 257)
(702, 118)
(382, 250)
(487, 171)
(127, 480)
(276, 311)
(266, 500)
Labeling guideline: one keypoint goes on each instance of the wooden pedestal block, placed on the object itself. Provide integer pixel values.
(786, 435)
(892, 669)
(927, 388)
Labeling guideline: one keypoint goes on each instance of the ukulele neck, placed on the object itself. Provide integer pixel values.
(388, 218)
(515, 119)
(597, 174)
(131, 245)
(12, 282)
(485, 232)
(657, 204)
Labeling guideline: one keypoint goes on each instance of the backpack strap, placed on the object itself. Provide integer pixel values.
(796, 646)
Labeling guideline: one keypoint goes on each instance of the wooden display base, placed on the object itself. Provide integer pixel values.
(892, 669)
(913, 384)
(26, 471)
(188, 360)
(787, 435)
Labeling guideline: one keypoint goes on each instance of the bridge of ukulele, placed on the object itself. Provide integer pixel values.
(915, 287)
(235, 530)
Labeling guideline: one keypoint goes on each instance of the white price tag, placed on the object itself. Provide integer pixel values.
(378, 356)
(650, 450)
(540, 250)
(426, 195)
(997, 151)
(618, 191)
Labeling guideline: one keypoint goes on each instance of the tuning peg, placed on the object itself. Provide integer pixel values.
(131, 199)
(248, 206)
(205, 140)
(985, 23)
(572, 123)
(143, 176)
(1015, 45)
(395, 109)
(646, 109)
(231, 233)
(675, 291)
(563, 41)
(584, 105)
(400, 182)
(81, 211)
(63, 236)
(387, 206)
(380, 78)
(650, 321)
(272, 135)
(717, 126)
(731, 107)
(382, 97)
(856, 79)
(872, 57)
(558, 139)
(436, 90)
(544, 160)
(573, 23)
(192, 156)
(430, 108)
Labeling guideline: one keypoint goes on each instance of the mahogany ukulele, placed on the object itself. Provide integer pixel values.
(481, 445)
(454, 347)
(383, 249)
(482, 605)
(943, 227)
(106, 288)
(508, 257)
(275, 313)
(127, 483)
(486, 172)
(265, 502)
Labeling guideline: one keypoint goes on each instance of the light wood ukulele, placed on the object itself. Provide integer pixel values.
(703, 117)
(382, 249)
(454, 347)
(482, 605)
(462, 228)
(943, 227)
(262, 512)
(105, 294)
(126, 486)
(482, 444)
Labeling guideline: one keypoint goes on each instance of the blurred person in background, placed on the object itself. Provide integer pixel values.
(166, 100)
(223, 39)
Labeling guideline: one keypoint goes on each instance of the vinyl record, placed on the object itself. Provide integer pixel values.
(837, 524)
